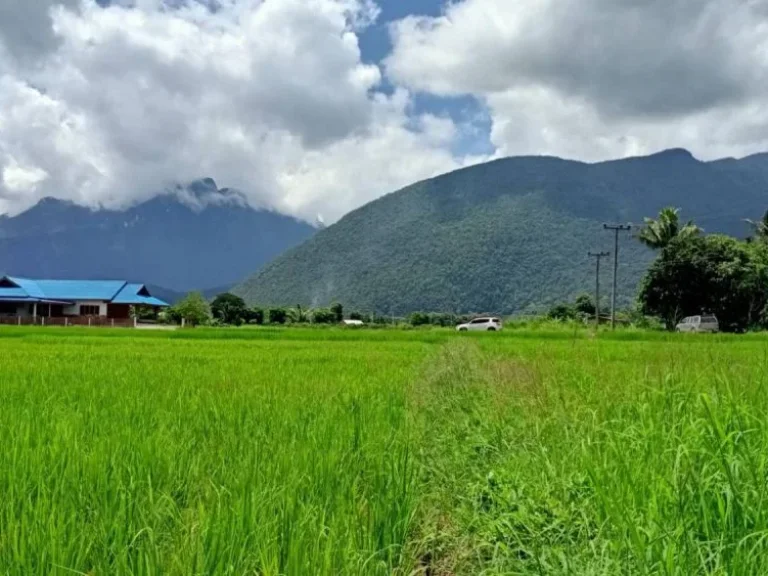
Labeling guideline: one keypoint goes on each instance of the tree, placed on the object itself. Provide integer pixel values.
(277, 315)
(142, 312)
(229, 309)
(323, 316)
(760, 228)
(255, 315)
(193, 309)
(711, 274)
(338, 312)
(419, 319)
(585, 305)
(298, 315)
(356, 316)
(562, 312)
(657, 234)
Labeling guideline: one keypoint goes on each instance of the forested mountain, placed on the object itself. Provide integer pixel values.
(191, 238)
(507, 236)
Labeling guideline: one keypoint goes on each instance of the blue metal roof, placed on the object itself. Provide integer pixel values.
(13, 293)
(137, 294)
(114, 291)
(30, 287)
(79, 289)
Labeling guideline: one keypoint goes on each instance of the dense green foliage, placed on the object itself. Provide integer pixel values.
(193, 309)
(658, 233)
(436, 319)
(582, 308)
(712, 274)
(507, 236)
(323, 316)
(759, 228)
(229, 309)
(256, 315)
(338, 311)
(277, 315)
(291, 452)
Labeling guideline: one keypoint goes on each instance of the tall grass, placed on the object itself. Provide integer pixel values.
(596, 457)
(164, 456)
(345, 452)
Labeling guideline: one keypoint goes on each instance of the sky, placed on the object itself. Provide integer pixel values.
(316, 107)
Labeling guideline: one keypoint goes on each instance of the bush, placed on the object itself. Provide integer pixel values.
(585, 306)
(419, 319)
(324, 316)
(255, 315)
(277, 315)
(298, 315)
(562, 312)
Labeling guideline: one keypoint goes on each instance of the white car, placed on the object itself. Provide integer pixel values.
(481, 325)
(699, 324)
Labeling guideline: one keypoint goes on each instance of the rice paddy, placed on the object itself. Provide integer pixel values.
(270, 452)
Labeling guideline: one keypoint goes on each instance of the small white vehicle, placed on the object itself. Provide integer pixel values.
(700, 324)
(353, 323)
(489, 324)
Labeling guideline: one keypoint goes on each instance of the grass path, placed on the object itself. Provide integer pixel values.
(596, 457)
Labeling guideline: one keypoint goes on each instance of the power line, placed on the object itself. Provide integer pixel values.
(598, 256)
(616, 229)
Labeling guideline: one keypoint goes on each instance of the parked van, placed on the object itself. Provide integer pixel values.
(699, 324)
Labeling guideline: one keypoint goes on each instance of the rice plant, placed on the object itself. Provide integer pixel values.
(299, 451)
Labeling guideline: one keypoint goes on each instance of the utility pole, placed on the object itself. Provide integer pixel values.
(616, 229)
(598, 256)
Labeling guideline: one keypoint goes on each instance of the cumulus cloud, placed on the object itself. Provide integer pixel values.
(26, 27)
(599, 78)
(112, 104)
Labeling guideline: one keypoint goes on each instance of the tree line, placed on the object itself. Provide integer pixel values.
(693, 274)
(228, 309)
(696, 273)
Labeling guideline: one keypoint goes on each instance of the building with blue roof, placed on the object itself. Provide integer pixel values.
(111, 299)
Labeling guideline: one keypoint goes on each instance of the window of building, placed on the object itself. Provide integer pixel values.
(90, 310)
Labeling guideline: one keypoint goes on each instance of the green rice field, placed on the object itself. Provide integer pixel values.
(325, 452)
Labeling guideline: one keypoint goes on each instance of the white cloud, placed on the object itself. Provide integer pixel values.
(270, 97)
(599, 78)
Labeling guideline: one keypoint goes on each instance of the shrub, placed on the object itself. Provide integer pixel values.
(277, 315)
(255, 315)
(324, 316)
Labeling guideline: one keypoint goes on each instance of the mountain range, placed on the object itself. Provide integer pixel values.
(508, 236)
(194, 237)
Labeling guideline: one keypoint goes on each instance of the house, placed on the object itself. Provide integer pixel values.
(92, 300)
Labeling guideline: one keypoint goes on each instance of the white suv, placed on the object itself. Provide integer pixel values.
(699, 324)
(481, 324)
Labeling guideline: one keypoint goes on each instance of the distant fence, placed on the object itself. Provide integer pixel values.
(94, 321)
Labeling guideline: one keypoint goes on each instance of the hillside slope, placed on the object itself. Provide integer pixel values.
(506, 236)
(195, 238)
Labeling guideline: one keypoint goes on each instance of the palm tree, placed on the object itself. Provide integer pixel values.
(298, 315)
(760, 228)
(658, 233)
